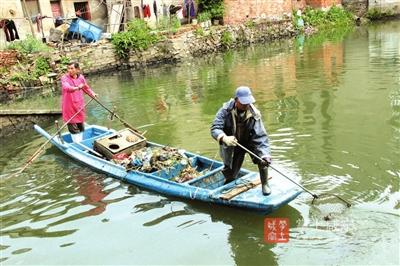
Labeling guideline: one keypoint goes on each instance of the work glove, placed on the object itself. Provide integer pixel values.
(266, 161)
(229, 140)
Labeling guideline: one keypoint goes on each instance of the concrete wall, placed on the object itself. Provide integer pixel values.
(98, 10)
(18, 17)
(14, 121)
(358, 7)
(385, 5)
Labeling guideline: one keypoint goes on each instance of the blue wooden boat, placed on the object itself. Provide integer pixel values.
(208, 187)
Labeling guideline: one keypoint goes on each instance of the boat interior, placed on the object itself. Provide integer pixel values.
(211, 177)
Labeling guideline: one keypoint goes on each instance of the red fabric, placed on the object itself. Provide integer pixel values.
(146, 11)
(120, 156)
(72, 100)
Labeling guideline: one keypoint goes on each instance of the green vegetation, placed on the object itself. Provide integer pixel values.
(199, 32)
(168, 24)
(28, 46)
(163, 24)
(334, 17)
(204, 16)
(226, 39)
(64, 61)
(42, 67)
(214, 7)
(3, 70)
(20, 76)
(377, 13)
(175, 24)
(250, 23)
(25, 75)
(137, 37)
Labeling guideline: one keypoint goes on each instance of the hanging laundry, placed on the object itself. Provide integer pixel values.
(165, 10)
(155, 8)
(189, 8)
(146, 11)
(13, 30)
(38, 20)
(192, 10)
(10, 30)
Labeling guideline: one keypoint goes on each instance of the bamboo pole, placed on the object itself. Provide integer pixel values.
(29, 18)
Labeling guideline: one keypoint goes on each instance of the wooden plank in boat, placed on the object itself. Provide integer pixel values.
(240, 189)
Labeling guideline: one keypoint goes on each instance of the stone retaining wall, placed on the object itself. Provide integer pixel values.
(12, 122)
(100, 57)
(11, 93)
(357, 7)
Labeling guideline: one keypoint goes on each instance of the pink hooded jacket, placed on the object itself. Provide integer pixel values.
(72, 100)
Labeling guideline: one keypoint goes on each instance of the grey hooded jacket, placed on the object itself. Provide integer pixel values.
(256, 138)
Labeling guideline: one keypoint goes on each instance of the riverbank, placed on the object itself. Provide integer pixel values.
(189, 41)
(12, 121)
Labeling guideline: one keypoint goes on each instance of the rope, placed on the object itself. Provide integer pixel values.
(194, 194)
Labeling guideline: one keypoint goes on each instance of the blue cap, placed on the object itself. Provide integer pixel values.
(244, 95)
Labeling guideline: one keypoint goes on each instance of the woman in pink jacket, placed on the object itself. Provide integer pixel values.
(73, 88)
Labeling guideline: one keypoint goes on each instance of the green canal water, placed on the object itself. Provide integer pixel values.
(332, 110)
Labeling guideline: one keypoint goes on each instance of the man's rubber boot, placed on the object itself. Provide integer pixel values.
(228, 180)
(266, 190)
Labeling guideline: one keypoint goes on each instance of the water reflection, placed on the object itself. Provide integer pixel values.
(246, 229)
(94, 193)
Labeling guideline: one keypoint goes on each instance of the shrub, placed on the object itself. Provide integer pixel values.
(65, 60)
(226, 39)
(175, 24)
(21, 76)
(163, 24)
(214, 7)
(199, 32)
(28, 46)
(204, 16)
(137, 37)
(42, 67)
(334, 17)
(250, 23)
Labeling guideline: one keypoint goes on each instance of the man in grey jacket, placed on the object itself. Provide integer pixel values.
(239, 121)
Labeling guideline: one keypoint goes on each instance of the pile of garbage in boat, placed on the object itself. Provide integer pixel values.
(153, 159)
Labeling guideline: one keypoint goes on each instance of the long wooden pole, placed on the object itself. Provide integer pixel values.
(261, 159)
(38, 151)
(29, 19)
(113, 113)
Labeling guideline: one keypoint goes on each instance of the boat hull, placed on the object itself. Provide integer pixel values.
(209, 187)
